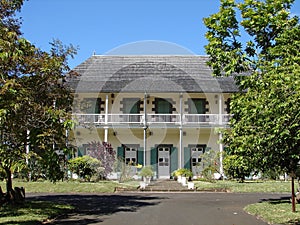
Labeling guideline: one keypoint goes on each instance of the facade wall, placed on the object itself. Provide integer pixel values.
(168, 136)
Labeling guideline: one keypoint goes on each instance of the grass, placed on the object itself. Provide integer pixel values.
(72, 186)
(33, 212)
(246, 187)
(274, 212)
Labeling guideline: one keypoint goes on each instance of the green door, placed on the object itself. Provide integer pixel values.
(91, 105)
(131, 106)
(163, 106)
(197, 106)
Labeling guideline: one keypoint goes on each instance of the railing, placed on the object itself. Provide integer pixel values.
(163, 118)
(152, 119)
(209, 119)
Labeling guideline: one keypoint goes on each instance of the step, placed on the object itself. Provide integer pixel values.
(166, 186)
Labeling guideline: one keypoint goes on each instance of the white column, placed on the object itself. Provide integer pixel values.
(27, 145)
(145, 127)
(220, 109)
(221, 147)
(180, 131)
(106, 120)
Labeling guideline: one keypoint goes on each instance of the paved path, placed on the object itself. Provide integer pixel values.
(194, 208)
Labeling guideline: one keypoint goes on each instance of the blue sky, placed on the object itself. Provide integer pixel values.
(102, 25)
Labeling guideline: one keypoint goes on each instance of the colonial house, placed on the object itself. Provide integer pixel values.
(158, 110)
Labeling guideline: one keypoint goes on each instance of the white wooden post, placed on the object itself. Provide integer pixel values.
(106, 120)
(221, 147)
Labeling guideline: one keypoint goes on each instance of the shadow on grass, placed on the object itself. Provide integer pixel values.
(23, 214)
(275, 201)
(88, 208)
(29, 222)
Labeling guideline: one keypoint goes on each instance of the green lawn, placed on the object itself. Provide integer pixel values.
(72, 186)
(275, 212)
(34, 212)
(248, 186)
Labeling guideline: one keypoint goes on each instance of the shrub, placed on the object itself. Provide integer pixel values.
(85, 167)
(146, 171)
(183, 172)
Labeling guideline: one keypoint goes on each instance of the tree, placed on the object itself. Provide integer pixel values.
(265, 126)
(105, 154)
(33, 98)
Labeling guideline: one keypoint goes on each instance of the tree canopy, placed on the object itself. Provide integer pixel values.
(258, 42)
(33, 98)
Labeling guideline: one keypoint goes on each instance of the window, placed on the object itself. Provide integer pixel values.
(91, 105)
(130, 156)
(196, 106)
(131, 106)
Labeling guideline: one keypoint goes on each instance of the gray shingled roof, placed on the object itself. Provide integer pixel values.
(142, 73)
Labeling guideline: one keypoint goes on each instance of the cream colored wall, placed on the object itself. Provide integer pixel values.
(115, 99)
(120, 136)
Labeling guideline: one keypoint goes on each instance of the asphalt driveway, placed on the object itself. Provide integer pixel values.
(158, 208)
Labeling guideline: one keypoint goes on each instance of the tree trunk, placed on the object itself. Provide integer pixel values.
(293, 194)
(8, 181)
(9, 190)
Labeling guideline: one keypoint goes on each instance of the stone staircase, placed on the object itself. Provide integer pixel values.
(166, 186)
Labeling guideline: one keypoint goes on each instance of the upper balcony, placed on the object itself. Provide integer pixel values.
(153, 120)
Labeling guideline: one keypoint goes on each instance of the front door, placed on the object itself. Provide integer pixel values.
(163, 162)
(196, 158)
(131, 158)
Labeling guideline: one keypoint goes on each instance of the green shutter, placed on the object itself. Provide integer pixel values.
(120, 159)
(174, 159)
(80, 151)
(187, 158)
(153, 159)
(120, 153)
(140, 156)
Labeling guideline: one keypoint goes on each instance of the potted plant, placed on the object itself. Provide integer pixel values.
(146, 172)
(175, 175)
(188, 174)
(179, 174)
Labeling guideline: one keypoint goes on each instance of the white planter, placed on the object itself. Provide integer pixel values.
(179, 178)
(191, 185)
(147, 180)
(184, 181)
(142, 185)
